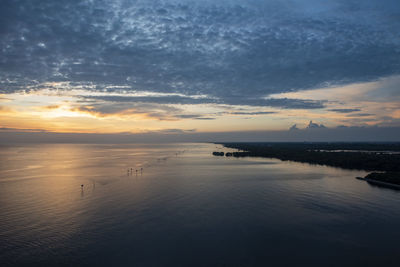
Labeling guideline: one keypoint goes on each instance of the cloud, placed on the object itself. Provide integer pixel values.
(205, 118)
(313, 125)
(388, 121)
(172, 131)
(152, 99)
(360, 115)
(234, 51)
(193, 116)
(50, 107)
(138, 110)
(188, 116)
(293, 128)
(344, 110)
(254, 113)
(285, 103)
(4, 109)
(8, 129)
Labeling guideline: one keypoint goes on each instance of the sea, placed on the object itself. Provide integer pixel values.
(178, 205)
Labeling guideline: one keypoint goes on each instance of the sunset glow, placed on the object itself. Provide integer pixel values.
(168, 69)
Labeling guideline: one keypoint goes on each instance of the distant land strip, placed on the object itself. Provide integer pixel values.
(360, 156)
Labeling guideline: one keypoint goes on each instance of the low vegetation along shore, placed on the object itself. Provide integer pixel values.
(382, 159)
(391, 179)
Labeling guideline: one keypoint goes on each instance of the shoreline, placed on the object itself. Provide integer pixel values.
(379, 183)
(320, 154)
(384, 169)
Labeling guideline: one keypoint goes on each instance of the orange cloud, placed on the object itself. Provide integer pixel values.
(51, 107)
(125, 113)
(6, 110)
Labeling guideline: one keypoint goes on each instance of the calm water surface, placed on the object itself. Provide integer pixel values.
(187, 208)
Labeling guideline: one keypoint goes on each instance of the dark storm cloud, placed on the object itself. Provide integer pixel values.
(233, 51)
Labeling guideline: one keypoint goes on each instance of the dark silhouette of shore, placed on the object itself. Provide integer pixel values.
(361, 156)
(386, 179)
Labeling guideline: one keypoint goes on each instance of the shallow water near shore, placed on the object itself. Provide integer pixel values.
(185, 207)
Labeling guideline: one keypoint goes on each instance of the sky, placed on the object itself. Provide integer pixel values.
(253, 69)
